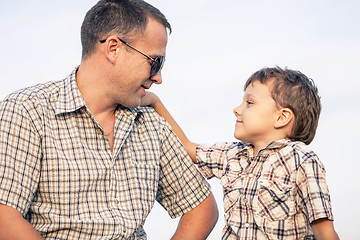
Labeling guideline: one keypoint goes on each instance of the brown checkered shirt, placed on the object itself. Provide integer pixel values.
(58, 170)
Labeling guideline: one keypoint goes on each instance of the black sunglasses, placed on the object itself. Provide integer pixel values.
(156, 63)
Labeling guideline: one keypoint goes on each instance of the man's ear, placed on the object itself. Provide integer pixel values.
(285, 118)
(111, 49)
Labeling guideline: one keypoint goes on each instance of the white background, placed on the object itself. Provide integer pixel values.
(215, 46)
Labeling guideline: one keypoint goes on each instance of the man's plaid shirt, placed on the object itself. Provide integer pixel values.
(58, 170)
(274, 195)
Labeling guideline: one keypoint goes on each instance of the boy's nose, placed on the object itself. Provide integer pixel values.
(237, 111)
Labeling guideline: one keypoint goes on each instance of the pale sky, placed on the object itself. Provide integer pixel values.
(215, 46)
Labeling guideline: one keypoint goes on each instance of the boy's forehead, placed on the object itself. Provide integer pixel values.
(257, 85)
(257, 88)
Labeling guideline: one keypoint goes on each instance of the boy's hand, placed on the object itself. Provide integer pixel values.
(149, 99)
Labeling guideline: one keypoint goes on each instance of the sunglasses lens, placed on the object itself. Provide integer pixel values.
(157, 65)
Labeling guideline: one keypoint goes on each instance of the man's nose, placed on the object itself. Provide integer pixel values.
(157, 78)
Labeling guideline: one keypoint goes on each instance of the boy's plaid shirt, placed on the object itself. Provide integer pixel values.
(274, 195)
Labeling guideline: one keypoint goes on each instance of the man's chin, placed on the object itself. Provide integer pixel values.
(133, 104)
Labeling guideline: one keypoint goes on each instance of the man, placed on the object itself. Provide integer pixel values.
(80, 160)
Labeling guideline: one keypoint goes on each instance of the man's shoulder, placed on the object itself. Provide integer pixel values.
(38, 91)
(149, 115)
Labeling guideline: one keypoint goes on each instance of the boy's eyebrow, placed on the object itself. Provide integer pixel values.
(248, 95)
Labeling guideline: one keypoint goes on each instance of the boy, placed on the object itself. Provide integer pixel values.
(274, 185)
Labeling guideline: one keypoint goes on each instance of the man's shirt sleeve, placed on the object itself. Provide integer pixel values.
(181, 186)
(20, 154)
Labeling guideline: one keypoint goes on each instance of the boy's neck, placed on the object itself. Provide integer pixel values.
(259, 146)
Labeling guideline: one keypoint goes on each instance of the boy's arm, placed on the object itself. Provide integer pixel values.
(154, 101)
(324, 229)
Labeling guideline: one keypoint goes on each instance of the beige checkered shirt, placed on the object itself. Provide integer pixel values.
(274, 195)
(58, 170)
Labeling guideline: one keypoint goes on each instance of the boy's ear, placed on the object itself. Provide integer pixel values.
(285, 117)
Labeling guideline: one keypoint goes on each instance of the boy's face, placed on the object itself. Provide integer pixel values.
(256, 115)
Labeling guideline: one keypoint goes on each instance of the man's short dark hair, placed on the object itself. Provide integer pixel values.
(126, 18)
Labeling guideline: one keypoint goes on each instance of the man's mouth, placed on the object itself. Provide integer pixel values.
(147, 87)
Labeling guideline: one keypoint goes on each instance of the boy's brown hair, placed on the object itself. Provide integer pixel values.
(292, 89)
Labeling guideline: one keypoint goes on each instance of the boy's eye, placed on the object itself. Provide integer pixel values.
(248, 102)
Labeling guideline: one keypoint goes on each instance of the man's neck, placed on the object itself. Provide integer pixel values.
(90, 84)
(92, 88)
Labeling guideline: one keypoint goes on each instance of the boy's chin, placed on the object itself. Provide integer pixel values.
(238, 137)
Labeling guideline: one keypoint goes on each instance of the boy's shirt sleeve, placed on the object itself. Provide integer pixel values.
(212, 158)
(314, 197)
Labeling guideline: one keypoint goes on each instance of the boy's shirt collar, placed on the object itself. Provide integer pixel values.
(273, 146)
